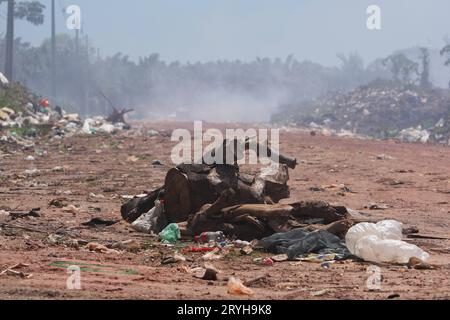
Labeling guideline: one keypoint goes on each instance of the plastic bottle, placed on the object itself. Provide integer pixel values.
(210, 236)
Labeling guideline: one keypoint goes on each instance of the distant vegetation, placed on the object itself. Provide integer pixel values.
(220, 90)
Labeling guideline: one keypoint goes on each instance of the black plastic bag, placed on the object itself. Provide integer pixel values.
(299, 242)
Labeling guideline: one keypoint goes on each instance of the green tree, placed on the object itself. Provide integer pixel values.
(31, 11)
(401, 67)
(352, 70)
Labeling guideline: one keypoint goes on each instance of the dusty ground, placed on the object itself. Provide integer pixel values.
(414, 183)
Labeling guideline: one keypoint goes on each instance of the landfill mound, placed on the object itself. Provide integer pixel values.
(24, 118)
(382, 109)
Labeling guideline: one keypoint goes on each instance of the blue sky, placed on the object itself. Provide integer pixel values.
(204, 30)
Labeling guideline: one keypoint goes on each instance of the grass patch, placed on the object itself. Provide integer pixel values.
(31, 130)
(94, 268)
(113, 144)
(15, 97)
(145, 157)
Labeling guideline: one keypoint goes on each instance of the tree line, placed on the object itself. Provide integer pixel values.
(154, 87)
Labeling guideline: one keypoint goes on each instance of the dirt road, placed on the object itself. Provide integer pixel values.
(93, 173)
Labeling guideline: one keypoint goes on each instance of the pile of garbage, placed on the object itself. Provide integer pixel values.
(220, 206)
(25, 117)
(313, 242)
(382, 109)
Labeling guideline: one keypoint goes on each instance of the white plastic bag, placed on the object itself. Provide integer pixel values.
(152, 221)
(87, 126)
(381, 242)
(107, 128)
(387, 229)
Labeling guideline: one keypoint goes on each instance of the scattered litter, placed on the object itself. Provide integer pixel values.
(58, 203)
(132, 159)
(247, 250)
(241, 243)
(261, 281)
(109, 189)
(12, 271)
(410, 230)
(206, 237)
(318, 258)
(99, 222)
(326, 264)
(319, 293)
(157, 163)
(236, 287)
(390, 181)
(152, 133)
(4, 116)
(101, 125)
(393, 296)
(280, 258)
(32, 172)
(208, 273)
(212, 256)
(414, 135)
(32, 213)
(129, 245)
(71, 209)
(17, 273)
(268, 262)
(3, 79)
(418, 264)
(96, 247)
(377, 206)
(96, 196)
(4, 214)
(170, 234)
(130, 197)
(384, 157)
(198, 249)
(175, 258)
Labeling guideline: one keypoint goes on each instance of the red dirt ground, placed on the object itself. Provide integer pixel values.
(101, 165)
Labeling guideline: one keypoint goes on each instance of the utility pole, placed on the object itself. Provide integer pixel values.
(79, 87)
(86, 79)
(53, 76)
(77, 41)
(10, 42)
